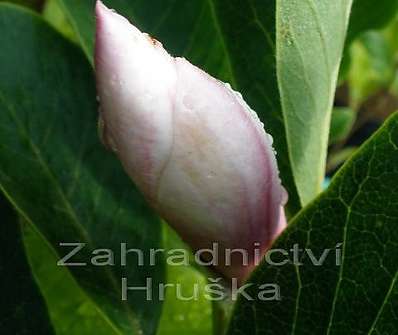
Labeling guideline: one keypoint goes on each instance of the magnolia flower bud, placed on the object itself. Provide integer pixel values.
(190, 143)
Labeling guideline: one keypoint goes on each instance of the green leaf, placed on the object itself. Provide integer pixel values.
(59, 177)
(359, 296)
(368, 14)
(55, 16)
(190, 316)
(71, 311)
(232, 40)
(310, 41)
(22, 310)
(342, 121)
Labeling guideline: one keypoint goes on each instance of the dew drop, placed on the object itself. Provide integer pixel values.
(270, 139)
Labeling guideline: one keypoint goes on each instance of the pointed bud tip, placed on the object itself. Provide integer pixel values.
(100, 11)
(112, 20)
(112, 30)
(99, 7)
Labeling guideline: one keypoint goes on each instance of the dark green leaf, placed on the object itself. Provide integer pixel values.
(232, 40)
(33, 4)
(369, 14)
(22, 309)
(360, 296)
(59, 176)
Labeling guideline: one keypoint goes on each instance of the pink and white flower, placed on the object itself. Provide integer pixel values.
(189, 142)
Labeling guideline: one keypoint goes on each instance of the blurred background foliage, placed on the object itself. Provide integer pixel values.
(367, 94)
(368, 81)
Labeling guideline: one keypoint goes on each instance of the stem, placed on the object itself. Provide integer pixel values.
(221, 315)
